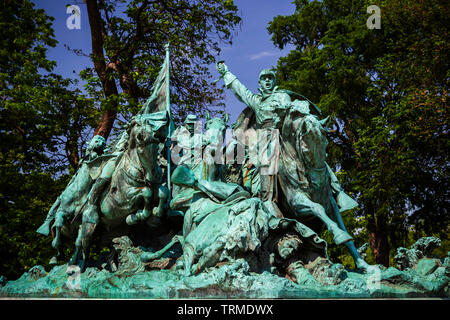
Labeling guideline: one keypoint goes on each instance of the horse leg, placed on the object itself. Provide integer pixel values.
(305, 207)
(92, 201)
(359, 261)
(56, 243)
(89, 222)
(188, 258)
(108, 260)
(149, 256)
(163, 194)
(158, 212)
(143, 214)
(76, 255)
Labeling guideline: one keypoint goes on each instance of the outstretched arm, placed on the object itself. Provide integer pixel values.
(240, 91)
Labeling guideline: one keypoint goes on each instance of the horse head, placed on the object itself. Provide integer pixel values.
(214, 140)
(143, 138)
(215, 129)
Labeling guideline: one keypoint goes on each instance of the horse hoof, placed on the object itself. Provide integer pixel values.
(53, 261)
(157, 212)
(131, 220)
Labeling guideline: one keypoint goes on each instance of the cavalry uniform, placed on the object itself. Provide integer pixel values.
(269, 108)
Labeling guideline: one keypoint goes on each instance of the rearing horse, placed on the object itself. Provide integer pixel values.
(306, 177)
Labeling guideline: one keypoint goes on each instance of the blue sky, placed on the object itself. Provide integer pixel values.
(252, 49)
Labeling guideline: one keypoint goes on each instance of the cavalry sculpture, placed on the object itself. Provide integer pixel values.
(258, 208)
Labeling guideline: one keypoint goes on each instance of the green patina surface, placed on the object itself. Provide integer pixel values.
(232, 280)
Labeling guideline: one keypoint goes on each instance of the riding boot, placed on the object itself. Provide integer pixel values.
(340, 236)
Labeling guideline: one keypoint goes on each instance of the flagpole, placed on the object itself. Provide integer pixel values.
(170, 119)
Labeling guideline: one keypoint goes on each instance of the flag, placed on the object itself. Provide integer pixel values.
(159, 100)
(158, 104)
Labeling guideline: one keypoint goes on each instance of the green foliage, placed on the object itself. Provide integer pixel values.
(42, 127)
(23, 207)
(387, 90)
(134, 38)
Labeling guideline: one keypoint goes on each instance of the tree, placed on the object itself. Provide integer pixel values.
(387, 91)
(128, 42)
(42, 124)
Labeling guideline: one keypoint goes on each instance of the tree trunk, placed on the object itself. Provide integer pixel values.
(378, 240)
(103, 71)
(380, 247)
(72, 154)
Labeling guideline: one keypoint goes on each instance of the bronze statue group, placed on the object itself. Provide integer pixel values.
(259, 197)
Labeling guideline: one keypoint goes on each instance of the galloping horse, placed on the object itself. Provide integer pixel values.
(135, 185)
(306, 178)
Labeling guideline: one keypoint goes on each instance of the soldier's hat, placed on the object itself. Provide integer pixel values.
(267, 72)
